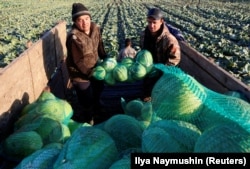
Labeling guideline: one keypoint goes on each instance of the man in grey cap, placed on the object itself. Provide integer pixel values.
(163, 46)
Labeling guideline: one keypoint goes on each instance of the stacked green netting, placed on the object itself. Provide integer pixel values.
(183, 132)
(41, 159)
(133, 107)
(157, 140)
(88, 147)
(21, 144)
(179, 96)
(231, 108)
(123, 163)
(170, 136)
(50, 130)
(125, 130)
(224, 138)
(142, 111)
(176, 95)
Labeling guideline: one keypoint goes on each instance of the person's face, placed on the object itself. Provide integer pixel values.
(154, 25)
(83, 23)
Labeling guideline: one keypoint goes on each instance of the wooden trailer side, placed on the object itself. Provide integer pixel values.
(23, 80)
(210, 74)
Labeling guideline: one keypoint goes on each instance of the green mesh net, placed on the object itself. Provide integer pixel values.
(125, 130)
(21, 144)
(88, 147)
(42, 159)
(179, 96)
(123, 163)
(232, 108)
(183, 133)
(224, 138)
(157, 140)
(50, 130)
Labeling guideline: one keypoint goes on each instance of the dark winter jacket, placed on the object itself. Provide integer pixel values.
(83, 52)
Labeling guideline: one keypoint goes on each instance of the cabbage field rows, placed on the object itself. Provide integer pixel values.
(220, 30)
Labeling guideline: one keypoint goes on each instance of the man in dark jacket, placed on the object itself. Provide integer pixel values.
(85, 47)
(163, 46)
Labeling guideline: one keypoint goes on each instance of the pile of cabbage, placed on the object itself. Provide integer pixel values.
(127, 70)
(43, 123)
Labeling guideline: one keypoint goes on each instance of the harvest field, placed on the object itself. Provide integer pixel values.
(220, 29)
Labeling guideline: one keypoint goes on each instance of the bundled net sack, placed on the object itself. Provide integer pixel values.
(229, 107)
(170, 136)
(186, 134)
(138, 109)
(133, 107)
(42, 159)
(224, 138)
(176, 95)
(123, 163)
(157, 140)
(21, 144)
(54, 145)
(179, 96)
(50, 130)
(127, 153)
(25, 120)
(206, 118)
(236, 94)
(88, 147)
(125, 130)
(146, 112)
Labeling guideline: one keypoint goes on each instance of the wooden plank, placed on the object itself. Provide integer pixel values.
(59, 80)
(41, 62)
(16, 90)
(60, 42)
(206, 79)
(23, 80)
(211, 69)
(15, 79)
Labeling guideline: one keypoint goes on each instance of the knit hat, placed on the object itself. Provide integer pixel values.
(155, 13)
(79, 9)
